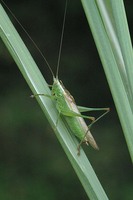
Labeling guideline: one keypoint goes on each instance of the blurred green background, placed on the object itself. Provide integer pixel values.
(32, 162)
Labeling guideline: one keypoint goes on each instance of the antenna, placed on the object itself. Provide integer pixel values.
(61, 40)
(29, 38)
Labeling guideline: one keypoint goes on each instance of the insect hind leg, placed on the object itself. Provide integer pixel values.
(97, 119)
(84, 140)
(88, 139)
(81, 142)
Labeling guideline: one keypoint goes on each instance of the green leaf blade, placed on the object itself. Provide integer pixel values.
(117, 76)
(37, 84)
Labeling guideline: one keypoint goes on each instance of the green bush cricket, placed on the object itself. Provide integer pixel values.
(65, 102)
(67, 107)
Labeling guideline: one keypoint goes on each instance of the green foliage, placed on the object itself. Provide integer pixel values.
(109, 27)
(110, 49)
(37, 84)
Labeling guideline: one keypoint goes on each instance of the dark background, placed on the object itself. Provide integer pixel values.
(32, 162)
